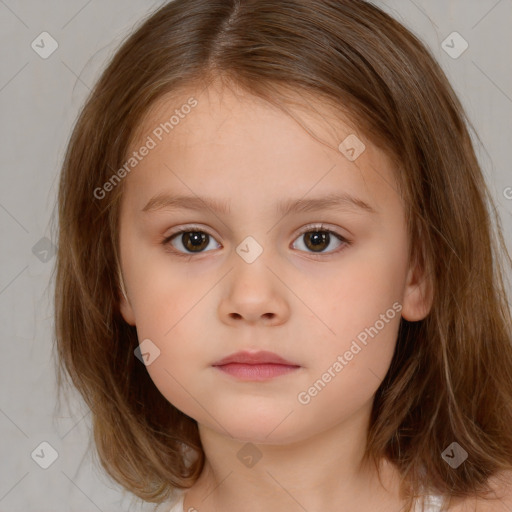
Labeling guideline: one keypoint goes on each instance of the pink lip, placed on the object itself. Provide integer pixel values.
(255, 366)
(261, 357)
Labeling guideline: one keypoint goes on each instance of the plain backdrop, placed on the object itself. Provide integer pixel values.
(39, 101)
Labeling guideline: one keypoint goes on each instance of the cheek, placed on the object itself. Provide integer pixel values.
(349, 367)
(163, 291)
(370, 281)
(364, 311)
(175, 327)
(170, 310)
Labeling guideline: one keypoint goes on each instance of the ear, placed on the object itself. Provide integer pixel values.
(418, 293)
(124, 304)
(126, 310)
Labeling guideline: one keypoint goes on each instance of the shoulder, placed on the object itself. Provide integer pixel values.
(499, 501)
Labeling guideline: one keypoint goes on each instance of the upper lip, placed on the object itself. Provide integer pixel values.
(260, 357)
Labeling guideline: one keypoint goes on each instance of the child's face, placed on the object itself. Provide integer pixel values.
(305, 302)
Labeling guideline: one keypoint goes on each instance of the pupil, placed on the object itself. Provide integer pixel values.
(318, 238)
(197, 239)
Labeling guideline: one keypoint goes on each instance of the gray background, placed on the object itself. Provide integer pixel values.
(39, 100)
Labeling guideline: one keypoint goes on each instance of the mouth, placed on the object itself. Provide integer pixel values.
(255, 366)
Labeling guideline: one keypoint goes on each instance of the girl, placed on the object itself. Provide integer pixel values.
(278, 284)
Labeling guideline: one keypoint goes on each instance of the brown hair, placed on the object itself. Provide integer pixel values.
(451, 376)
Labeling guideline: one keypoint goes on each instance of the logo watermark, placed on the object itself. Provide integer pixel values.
(137, 156)
(304, 397)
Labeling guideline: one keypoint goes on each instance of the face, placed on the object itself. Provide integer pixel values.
(322, 285)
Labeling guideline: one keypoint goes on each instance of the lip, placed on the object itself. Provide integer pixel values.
(255, 366)
(254, 358)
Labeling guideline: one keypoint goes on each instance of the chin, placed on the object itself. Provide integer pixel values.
(271, 430)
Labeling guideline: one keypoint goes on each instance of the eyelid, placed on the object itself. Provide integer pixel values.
(318, 226)
(188, 227)
(302, 230)
(321, 226)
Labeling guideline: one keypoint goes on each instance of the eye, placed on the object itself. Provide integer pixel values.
(194, 240)
(317, 238)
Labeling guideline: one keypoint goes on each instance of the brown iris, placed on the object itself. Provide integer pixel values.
(319, 240)
(195, 241)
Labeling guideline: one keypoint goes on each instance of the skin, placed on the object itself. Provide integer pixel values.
(305, 306)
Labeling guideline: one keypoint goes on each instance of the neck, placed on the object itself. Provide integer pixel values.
(311, 474)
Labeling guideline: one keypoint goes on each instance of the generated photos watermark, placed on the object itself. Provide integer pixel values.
(137, 156)
(304, 397)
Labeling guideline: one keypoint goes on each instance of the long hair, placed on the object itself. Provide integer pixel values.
(450, 379)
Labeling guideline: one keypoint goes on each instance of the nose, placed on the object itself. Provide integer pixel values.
(254, 295)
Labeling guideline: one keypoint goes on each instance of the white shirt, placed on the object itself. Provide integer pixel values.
(178, 507)
(432, 504)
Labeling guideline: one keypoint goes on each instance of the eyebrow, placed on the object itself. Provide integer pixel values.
(343, 201)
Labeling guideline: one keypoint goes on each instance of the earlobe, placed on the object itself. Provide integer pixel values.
(124, 304)
(126, 310)
(418, 294)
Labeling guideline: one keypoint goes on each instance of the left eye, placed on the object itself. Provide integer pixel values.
(318, 239)
(196, 241)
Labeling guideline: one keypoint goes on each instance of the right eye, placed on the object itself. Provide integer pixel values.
(192, 241)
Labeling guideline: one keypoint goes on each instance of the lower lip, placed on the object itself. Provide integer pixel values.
(256, 372)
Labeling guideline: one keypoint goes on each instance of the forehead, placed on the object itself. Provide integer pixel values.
(240, 138)
(223, 101)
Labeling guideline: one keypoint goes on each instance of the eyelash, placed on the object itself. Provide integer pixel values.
(313, 228)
